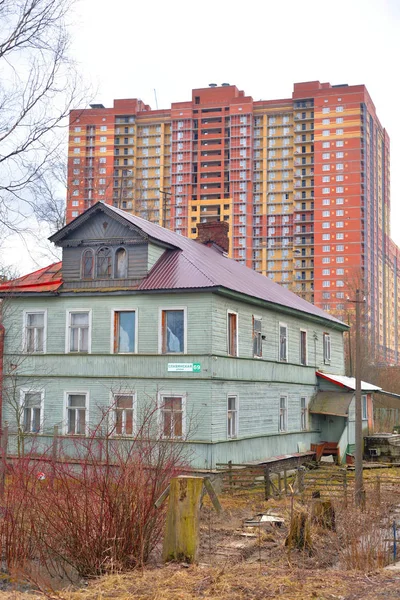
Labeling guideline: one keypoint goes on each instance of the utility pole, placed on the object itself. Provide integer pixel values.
(164, 206)
(359, 484)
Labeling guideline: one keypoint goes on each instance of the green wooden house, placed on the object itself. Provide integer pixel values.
(136, 312)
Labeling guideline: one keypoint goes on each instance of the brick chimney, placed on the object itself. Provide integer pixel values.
(214, 233)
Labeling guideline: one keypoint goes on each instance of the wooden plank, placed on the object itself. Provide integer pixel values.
(213, 496)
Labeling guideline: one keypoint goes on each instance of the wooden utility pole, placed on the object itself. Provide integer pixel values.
(359, 485)
(164, 195)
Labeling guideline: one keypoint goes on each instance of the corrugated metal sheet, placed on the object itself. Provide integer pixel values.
(48, 279)
(349, 382)
(331, 403)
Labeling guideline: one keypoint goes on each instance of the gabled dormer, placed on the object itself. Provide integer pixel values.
(101, 249)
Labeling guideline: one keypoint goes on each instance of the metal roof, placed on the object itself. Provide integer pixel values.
(348, 382)
(187, 264)
(48, 279)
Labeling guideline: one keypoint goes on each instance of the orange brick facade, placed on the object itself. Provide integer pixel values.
(303, 184)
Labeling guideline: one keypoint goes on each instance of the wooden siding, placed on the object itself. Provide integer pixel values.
(270, 329)
(153, 254)
(103, 228)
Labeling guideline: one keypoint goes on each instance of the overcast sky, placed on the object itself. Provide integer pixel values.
(128, 49)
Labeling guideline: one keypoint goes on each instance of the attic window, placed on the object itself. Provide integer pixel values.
(87, 264)
(121, 263)
(104, 264)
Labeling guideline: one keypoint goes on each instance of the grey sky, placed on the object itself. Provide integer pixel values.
(129, 48)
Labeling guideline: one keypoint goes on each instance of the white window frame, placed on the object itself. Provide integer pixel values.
(23, 392)
(134, 413)
(68, 330)
(327, 342)
(286, 359)
(304, 364)
(160, 329)
(364, 407)
(236, 411)
(24, 329)
(257, 318)
(87, 404)
(284, 428)
(160, 403)
(232, 312)
(119, 310)
(303, 414)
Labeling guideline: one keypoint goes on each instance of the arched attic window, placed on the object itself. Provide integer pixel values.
(121, 264)
(104, 263)
(87, 264)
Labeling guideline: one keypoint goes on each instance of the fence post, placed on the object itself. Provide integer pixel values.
(394, 542)
(230, 474)
(267, 483)
(4, 447)
(345, 486)
(285, 480)
(300, 479)
(378, 489)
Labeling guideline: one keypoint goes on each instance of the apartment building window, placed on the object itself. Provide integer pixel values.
(283, 420)
(326, 248)
(340, 259)
(283, 342)
(339, 143)
(339, 154)
(339, 271)
(326, 109)
(326, 156)
(326, 201)
(339, 224)
(172, 409)
(339, 131)
(340, 248)
(232, 417)
(339, 167)
(303, 414)
(103, 139)
(340, 295)
(123, 407)
(326, 295)
(326, 132)
(339, 178)
(326, 213)
(303, 347)
(232, 333)
(257, 337)
(326, 272)
(326, 121)
(125, 331)
(326, 260)
(32, 410)
(339, 200)
(340, 283)
(326, 144)
(326, 190)
(75, 213)
(104, 149)
(173, 330)
(77, 150)
(339, 109)
(339, 190)
(326, 225)
(75, 203)
(326, 179)
(79, 325)
(326, 284)
(326, 167)
(103, 128)
(326, 237)
(326, 340)
(340, 213)
(35, 331)
(76, 413)
(339, 119)
(77, 129)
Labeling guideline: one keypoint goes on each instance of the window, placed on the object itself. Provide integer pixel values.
(340, 236)
(303, 414)
(339, 154)
(339, 109)
(340, 213)
(76, 161)
(232, 334)
(232, 417)
(257, 337)
(32, 411)
(34, 332)
(326, 156)
(75, 193)
(103, 138)
(326, 260)
(326, 144)
(103, 128)
(303, 347)
(123, 414)
(325, 190)
(326, 201)
(326, 225)
(87, 265)
(326, 284)
(339, 200)
(326, 121)
(339, 224)
(340, 283)
(172, 416)
(77, 129)
(74, 213)
(339, 190)
(283, 354)
(339, 144)
(339, 119)
(326, 295)
(103, 263)
(326, 132)
(326, 109)
(340, 259)
(339, 131)
(339, 178)
(283, 413)
(326, 213)
(327, 347)
(326, 179)
(121, 264)
(339, 271)
(77, 140)
(326, 237)
(125, 331)
(78, 338)
(326, 248)
(340, 248)
(364, 407)
(326, 272)
(76, 413)
(326, 167)
(173, 331)
(104, 149)
(339, 167)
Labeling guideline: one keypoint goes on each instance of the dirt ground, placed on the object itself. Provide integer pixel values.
(237, 562)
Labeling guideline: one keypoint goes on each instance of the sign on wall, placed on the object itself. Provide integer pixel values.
(184, 367)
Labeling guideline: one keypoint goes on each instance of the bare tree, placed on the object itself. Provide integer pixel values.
(38, 87)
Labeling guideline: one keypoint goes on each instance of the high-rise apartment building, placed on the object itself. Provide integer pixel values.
(303, 183)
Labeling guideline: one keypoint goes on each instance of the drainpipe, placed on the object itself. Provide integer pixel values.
(2, 335)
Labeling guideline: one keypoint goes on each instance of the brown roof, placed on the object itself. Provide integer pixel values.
(187, 264)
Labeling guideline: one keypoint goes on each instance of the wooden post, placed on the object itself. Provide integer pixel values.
(285, 480)
(4, 446)
(267, 483)
(300, 479)
(279, 482)
(230, 474)
(378, 490)
(345, 486)
(183, 516)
